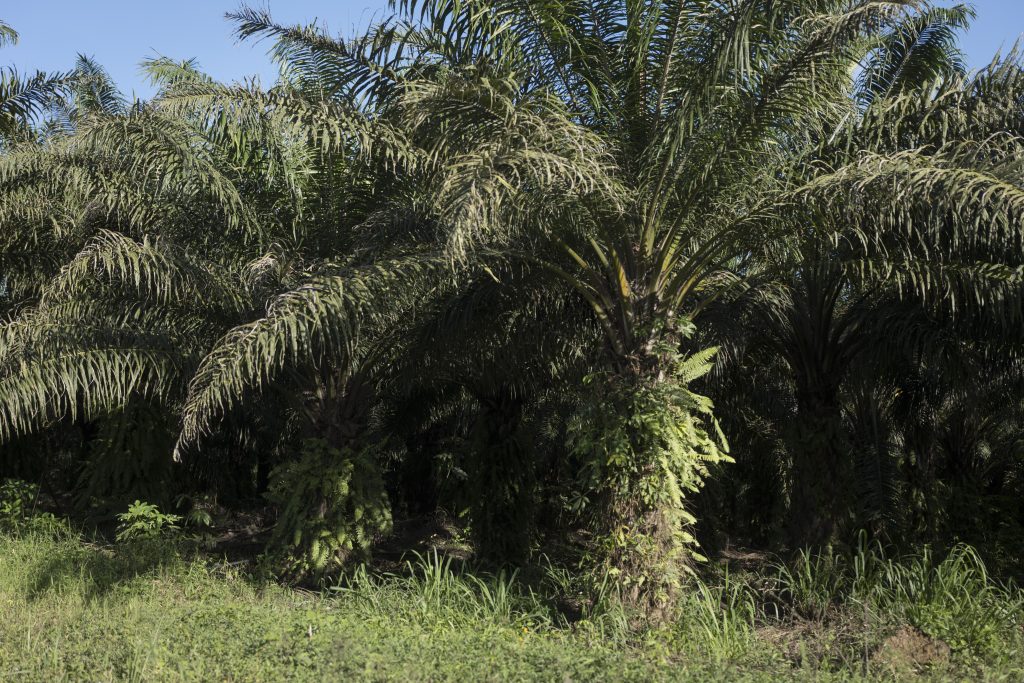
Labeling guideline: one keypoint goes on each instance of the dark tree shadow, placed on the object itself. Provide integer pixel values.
(95, 569)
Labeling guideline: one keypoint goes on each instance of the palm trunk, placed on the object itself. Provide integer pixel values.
(818, 494)
(818, 353)
(649, 560)
(502, 477)
(646, 464)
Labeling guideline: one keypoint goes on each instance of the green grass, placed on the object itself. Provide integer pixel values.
(78, 611)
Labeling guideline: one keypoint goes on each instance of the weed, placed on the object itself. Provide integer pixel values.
(77, 610)
(145, 521)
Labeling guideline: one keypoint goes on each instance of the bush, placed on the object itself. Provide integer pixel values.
(145, 521)
(332, 504)
(19, 510)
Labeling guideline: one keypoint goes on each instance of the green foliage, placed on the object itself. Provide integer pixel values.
(7, 34)
(17, 498)
(331, 506)
(198, 516)
(432, 589)
(813, 583)
(130, 458)
(956, 601)
(145, 521)
(953, 600)
(481, 197)
(19, 509)
(719, 619)
(128, 613)
(644, 450)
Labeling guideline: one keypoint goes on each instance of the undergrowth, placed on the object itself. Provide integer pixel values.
(151, 609)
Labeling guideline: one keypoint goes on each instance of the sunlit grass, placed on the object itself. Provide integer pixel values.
(75, 610)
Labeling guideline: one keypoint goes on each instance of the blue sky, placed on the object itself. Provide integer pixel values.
(120, 33)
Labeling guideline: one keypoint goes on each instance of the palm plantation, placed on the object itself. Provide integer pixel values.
(616, 285)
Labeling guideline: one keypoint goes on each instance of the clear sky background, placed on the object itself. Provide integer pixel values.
(120, 33)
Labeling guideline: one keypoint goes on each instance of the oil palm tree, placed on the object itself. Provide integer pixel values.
(871, 282)
(109, 292)
(22, 98)
(304, 246)
(723, 141)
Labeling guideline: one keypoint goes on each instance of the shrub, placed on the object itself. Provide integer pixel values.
(19, 511)
(954, 600)
(332, 503)
(145, 521)
(16, 499)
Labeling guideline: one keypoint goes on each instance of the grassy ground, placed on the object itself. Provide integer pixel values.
(78, 611)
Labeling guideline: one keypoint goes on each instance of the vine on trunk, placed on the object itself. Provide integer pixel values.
(646, 444)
